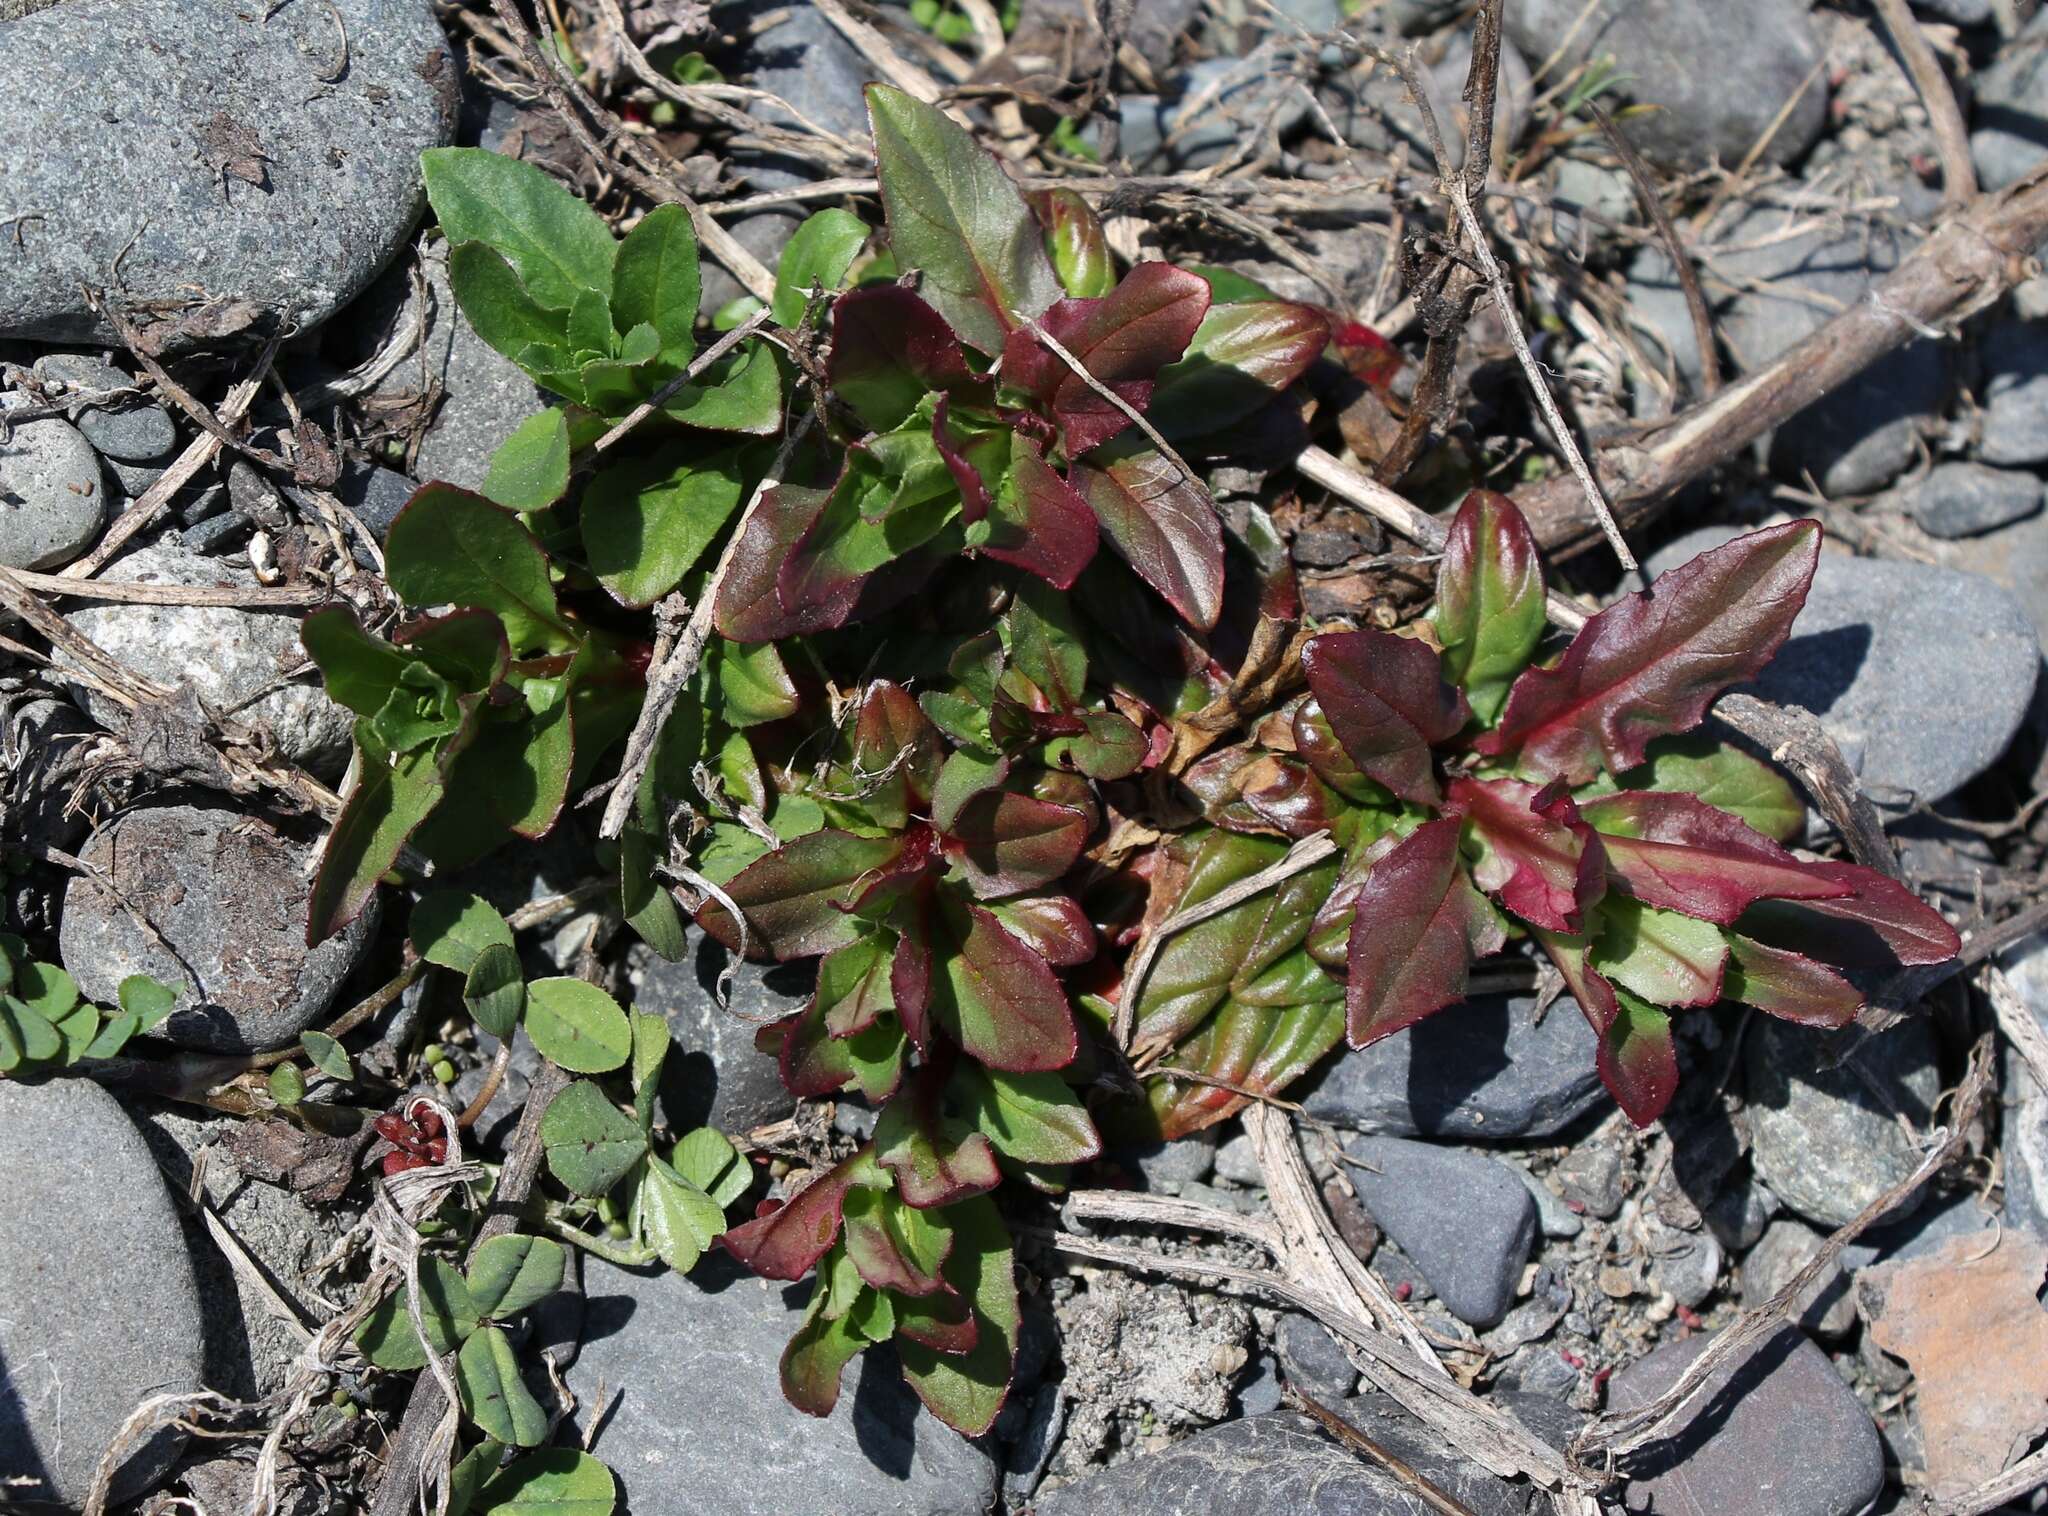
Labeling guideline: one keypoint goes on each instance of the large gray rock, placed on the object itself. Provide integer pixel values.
(244, 166)
(2011, 115)
(53, 496)
(1827, 1140)
(692, 1418)
(99, 1309)
(1761, 52)
(135, 431)
(1781, 1433)
(1282, 1464)
(1465, 1219)
(227, 897)
(2015, 356)
(228, 655)
(715, 1075)
(1486, 1068)
(1921, 674)
(1967, 499)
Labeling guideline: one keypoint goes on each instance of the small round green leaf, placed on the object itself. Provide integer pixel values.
(328, 1056)
(552, 1482)
(513, 1272)
(487, 1374)
(287, 1085)
(590, 1143)
(450, 927)
(577, 1025)
(495, 989)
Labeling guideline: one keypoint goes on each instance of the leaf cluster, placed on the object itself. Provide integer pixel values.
(45, 1024)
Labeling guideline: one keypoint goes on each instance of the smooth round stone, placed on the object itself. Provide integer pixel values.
(1964, 499)
(99, 1309)
(52, 495)
(134, 431)
(228, 655)
(227, 896)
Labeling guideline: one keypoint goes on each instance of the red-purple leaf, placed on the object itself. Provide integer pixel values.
(1545, 865)
(1637, 1059)
(1489, 599)
(967, 1390)
(1005, 843)
(997, 998)
(1252, 1050)
(1385, 698)
(749, 607)
(785, 1239)
(889, 350)
(910, 973)
(796, 898)
(1418, 926)
(937, 1159)
(892, 733)
(1651, 664)
(1789, 985)
(1878, 923)
(1123, 340)
(1050, 925)
(1239, 359)
(1162, 523)
(1037, 521)
(944, 1323)
(895, 1246)
(1680, 854)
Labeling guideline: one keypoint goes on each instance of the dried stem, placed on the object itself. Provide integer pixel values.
(1951, 136)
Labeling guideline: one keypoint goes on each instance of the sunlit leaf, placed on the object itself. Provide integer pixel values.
(1489, 600)
(1386, 700)
(1417, 927)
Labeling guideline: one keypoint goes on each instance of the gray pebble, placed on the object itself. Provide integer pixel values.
(1786, 1247)
(1315, 1360)
(227, 896)
(134, 430)
(52, 495)
(1465, 1219)
(1552, 1214)
(1964, 499)
(715, 1076)
(2011, 114)
(1167, 1166)
(2015, 357)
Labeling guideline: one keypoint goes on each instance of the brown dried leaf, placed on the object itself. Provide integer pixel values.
(1967, 1320)
(311, 1164)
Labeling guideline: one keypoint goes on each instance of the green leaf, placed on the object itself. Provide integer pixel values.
(648, 907)
(149, 1000)
(504, 313)
(494, 989)
(967, 1390)
(450, 927)
(559, 245)
(287, 1085)
(387, 1337)
(678, 1219)
(511, 1273)
(470, 1472)
(955, 216)
(112, 1036)
(647, 521)
(590, 325)
(530, 469)
(496, 1398)
(449, 547)
(708, 1160)
(819, 252)
(1668, 959)
(360, 670)
(1241, 356)
(1489, 606)
(577, 1025)
(650, 1051)
(328, 1056)
(1726, 778)
(817, 1355)
(25, 1037)
(741, 392)
(656, 282)
(1033, 1118)
(388, 805)
(590, 1143)
(552, 1482)
(46, 989)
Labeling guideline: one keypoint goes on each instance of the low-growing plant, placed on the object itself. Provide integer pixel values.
(46, 1024)
(944, 747)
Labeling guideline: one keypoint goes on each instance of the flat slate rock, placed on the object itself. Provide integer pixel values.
(1282, 1464)
(694, 1424)
(249, 166)
(98, 1305)
(716, 1076)
(1780, 1433)
(1921, 674)
(1465, 1219)
(1484, 1069)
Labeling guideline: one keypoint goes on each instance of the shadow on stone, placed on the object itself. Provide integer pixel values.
(1455, 1053)
(1816, 670)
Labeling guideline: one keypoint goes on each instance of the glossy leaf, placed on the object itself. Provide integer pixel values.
(655, 281)
(1385, 698)
(1251, 1050)
(797, 898)
(577, 1025)
(647, 520)
(1005, 843)
(558, 244)
(1052, 926)
(449, 547)
(967, 1390)
(1033, 1118)
(1075, 242)
(889, 350)
(998, 999)
(360, 670)
(1651, 664)
(936, 1158)
(1240, 357)
(707, 1159)
(1162, 523)
(741, 392)
(1122, 341)
(786, 1239)
(955, 217)
(1787, 985)
(1636, 1058)
(512, 1273)
(390, 801)
(590, 1143)
(1489, 600)
(530, 469)
(1726, 778)
(896, 1246)
(496, 1398)
(506, 316)
(1667, 958)
(1675, 853)
(1542, 862)
(1417, 926)
(1878, 924)
(818, 254)
(1037, 521)
(816, 1357)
